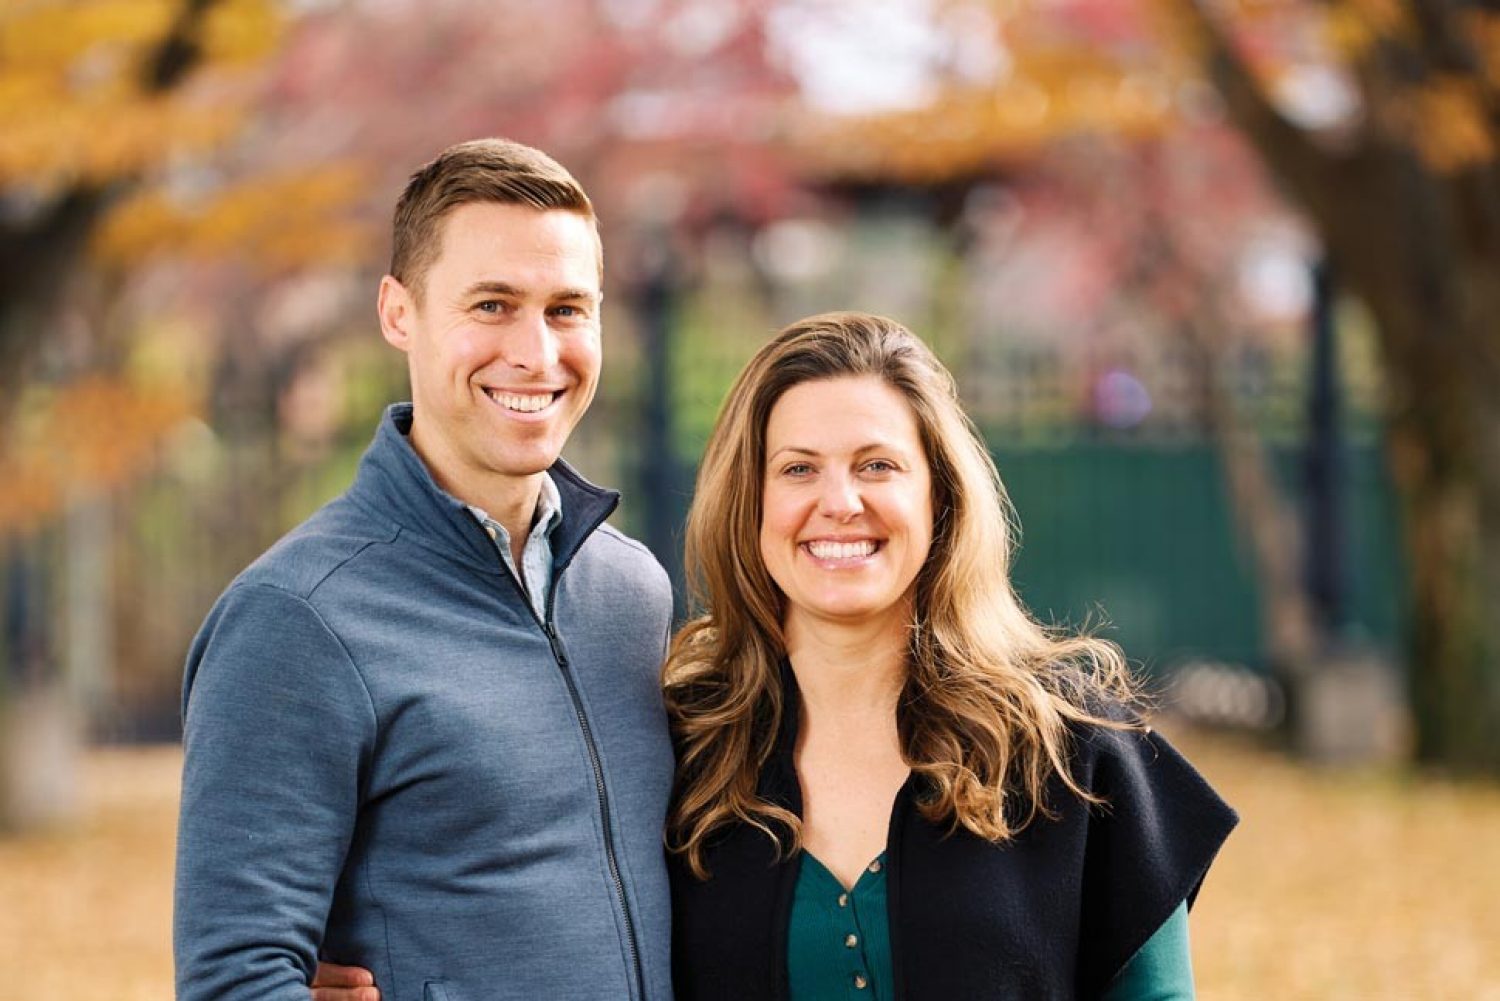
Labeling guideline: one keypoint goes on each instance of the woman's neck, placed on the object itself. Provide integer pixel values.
(847, 670)
(848, 756)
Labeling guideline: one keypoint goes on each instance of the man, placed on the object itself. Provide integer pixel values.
(423, 732)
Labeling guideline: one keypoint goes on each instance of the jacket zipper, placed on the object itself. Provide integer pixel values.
(560, 655)
(609, 841)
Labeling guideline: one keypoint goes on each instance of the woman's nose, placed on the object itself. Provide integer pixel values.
(840, 498)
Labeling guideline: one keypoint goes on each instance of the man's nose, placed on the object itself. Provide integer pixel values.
(531, 344)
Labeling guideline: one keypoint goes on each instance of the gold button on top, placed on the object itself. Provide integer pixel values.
(860, 983)
(875, 866)
(851, 940)
(843, 900)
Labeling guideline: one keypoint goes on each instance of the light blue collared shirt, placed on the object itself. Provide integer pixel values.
(536, 557)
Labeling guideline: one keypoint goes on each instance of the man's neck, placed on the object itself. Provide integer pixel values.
(509, 500)
(513, 505)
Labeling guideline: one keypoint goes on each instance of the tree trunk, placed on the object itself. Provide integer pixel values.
(1437, 307)
(1445, 466)
(1430, 272)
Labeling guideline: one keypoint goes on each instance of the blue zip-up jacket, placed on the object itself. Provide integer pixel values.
(392, 762)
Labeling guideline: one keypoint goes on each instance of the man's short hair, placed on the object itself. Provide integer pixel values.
(481, 170)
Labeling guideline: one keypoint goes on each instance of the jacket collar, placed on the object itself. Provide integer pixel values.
(395, 483)
(779, 782)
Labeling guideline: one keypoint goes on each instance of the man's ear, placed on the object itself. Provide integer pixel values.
(397, 310)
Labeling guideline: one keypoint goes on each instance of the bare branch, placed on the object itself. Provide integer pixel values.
(180, 50)
(1309, 170)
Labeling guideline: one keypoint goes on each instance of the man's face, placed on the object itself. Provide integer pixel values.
(504, 346)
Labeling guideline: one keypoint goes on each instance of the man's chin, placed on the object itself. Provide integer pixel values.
(517, 466)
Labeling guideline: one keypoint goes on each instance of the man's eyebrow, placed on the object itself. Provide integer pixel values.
(492, 287)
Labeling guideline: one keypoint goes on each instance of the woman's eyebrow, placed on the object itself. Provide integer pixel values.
(874, 446)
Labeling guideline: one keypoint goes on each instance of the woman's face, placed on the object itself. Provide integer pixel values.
(846, 517)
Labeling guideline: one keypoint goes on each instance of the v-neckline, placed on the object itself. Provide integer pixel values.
(871, 868)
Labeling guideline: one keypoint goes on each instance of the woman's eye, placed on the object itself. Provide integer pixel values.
(880, 466)
(797, 469)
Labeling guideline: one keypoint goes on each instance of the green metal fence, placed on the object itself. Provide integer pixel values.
(1141, 536)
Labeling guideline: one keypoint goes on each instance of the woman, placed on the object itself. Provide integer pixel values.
(892, 782)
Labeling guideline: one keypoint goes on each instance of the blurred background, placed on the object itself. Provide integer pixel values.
(1220, 281)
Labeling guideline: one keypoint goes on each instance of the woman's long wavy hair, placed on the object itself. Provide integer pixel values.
(990, 693)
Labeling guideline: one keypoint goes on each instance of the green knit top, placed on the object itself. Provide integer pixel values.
(839, 944)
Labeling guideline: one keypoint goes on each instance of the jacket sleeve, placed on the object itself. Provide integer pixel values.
(1149, 846)
(278, 728)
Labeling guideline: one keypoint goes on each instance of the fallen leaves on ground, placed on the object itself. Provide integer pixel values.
(1337, 885)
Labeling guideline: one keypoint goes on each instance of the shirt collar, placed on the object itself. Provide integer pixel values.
(545, 519)
(548, 506)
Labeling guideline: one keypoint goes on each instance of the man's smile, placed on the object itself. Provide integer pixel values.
(523, 403)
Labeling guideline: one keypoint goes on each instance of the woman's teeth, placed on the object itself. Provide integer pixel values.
(841, 550)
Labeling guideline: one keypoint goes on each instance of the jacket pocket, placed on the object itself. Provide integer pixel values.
(433, 991)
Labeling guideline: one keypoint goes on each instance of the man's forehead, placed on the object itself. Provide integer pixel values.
(502, 242)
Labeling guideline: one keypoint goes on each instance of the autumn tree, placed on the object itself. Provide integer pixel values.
(120, 123)
(98, 106)
(1403, 186)
(92, 105)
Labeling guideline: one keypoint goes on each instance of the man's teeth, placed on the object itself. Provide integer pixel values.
(841, 550)
(525, 403)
